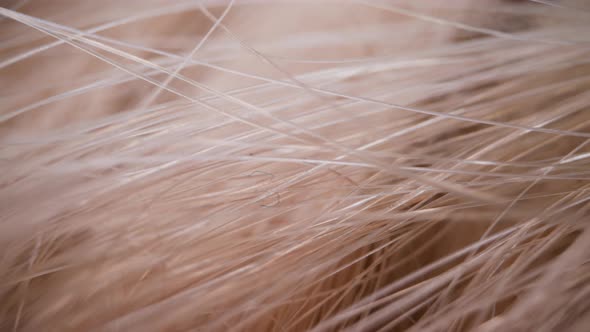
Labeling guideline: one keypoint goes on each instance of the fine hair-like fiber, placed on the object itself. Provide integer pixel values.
(261, 165)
